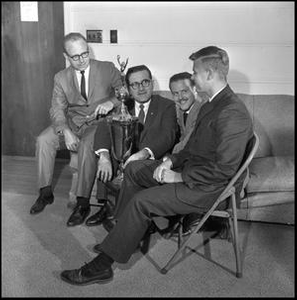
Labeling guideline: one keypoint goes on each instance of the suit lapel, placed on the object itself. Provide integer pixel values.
(92, 76)
(150, 113)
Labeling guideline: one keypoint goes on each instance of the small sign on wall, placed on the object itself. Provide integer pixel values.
(94, 36)
(29, 11)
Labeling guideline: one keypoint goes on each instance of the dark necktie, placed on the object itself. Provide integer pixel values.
(83, 85)
(185, 118)
(141, 114)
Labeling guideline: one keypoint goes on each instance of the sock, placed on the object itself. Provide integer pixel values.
(84, 202)
(46, 191)
(102, 261)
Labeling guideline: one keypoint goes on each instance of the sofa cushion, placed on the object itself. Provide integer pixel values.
(271, 174)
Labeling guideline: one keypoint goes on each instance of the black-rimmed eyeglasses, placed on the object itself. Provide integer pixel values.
(143, 83)
(78, 56)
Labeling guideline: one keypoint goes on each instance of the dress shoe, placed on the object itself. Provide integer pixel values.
(87, 275)
(41, 203)
(108, 224)
(190, 221)
(79, 215)
(104, 212)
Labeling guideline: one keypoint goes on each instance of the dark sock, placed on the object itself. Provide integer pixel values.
(102, 261)
(84, 202)
(46, 191)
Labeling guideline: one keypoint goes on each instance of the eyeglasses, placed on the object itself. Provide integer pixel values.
(143, 83)
(78, 56)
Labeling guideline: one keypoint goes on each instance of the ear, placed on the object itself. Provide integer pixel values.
(65, 55)
(210, 74)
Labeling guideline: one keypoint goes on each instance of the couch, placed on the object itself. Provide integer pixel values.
(269, 195)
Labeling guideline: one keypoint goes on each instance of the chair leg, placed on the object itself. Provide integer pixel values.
(236, 239)
(165, 269)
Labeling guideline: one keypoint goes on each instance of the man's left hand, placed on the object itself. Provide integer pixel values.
(140, 155)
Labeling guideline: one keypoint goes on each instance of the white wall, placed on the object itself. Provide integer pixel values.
(259, 37)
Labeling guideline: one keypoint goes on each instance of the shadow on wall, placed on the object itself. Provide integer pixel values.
(239, 82)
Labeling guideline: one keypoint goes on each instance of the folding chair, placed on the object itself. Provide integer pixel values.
(229, 213)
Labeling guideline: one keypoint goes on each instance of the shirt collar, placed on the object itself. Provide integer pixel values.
(216, 93)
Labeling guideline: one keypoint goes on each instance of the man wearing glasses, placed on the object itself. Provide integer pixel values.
(85, 88)
(157, 134)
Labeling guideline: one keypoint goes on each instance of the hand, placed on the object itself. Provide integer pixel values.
(71, 140)
(104, 170)
(169, 176)
(159, 171)
(140, 155)
(103, 108)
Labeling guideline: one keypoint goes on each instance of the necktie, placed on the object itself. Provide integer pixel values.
(185, 117)
(141, 114)
(83, 85)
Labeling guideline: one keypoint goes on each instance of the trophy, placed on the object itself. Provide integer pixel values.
(121, 125)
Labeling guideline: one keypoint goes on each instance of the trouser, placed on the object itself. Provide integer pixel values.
(140, 199)
(47, 144)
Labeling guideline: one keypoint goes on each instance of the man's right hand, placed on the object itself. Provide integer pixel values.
(104, 170)
(71, 140)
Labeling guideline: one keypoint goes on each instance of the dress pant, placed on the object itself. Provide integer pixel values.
(140, 199)
(48, 143)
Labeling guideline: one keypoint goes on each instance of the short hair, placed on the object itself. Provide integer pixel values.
(213, 57)
(72, 36)
(137, 69)
(181, 76)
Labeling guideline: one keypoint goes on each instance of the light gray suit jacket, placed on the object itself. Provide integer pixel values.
(69, 108)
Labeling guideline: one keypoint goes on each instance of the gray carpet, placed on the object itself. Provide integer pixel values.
(35, 249)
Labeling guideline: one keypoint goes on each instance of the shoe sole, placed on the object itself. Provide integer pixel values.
(98, 281)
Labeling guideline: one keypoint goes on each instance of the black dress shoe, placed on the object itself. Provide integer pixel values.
(41, 203)
(87, 275)
(79, 215)
(104, 212)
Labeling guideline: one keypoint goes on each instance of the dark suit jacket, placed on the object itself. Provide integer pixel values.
(69, 108)
(159, 132)
(215, 149)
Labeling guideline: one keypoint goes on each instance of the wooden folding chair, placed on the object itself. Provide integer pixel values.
(229, 213)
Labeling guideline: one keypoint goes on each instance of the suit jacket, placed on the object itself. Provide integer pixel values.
(215, 149)
(159, 132)
(186, 129)
(69, 108)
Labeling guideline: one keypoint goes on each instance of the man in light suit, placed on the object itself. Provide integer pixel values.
(81, 92)
(156, 136)
(186, 181)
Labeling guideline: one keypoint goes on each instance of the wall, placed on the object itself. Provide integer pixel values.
(259, 37)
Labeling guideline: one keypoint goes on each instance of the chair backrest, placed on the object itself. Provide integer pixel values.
(250, 151)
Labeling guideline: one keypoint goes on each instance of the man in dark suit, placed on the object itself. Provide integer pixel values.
(186, 181)
(86, 88)
(156, 135)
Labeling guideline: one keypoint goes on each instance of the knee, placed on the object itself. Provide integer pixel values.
(133, 167)
(41, 140)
